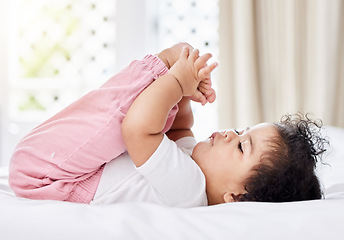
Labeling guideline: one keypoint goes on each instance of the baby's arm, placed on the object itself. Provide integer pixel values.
(142, 126)
(183, 121)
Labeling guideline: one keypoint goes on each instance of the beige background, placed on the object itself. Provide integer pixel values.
(280, 56)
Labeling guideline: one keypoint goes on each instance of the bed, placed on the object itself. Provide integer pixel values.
(319, 219)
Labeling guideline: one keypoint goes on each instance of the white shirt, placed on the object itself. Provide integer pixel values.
(169, 177)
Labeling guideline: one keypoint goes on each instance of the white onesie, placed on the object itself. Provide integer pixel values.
(169, 177)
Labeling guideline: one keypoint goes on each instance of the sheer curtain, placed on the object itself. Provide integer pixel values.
(280, 56)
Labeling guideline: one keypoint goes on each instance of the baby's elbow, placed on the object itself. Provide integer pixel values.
(128, 129)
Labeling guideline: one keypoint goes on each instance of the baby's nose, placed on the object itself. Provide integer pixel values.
(229, 135)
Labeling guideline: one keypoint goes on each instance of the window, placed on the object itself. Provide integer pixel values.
(60, 53)
(59, 50)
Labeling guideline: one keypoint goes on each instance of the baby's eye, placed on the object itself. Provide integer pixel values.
(240, 147)
(236, 131)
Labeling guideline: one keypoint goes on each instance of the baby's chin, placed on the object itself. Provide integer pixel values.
(197, 151)
(207, 141)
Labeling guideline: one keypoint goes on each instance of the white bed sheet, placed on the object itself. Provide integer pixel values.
(318, 219)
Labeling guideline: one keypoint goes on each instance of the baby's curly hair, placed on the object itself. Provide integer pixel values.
(286, 173)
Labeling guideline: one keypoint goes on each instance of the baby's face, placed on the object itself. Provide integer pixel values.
(227, 158)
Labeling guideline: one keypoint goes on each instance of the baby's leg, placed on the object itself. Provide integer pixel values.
(63, 158)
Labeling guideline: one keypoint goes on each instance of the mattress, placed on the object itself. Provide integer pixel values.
(317, 219)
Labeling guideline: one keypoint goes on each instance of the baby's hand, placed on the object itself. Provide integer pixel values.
(193, 74)
(171, 55)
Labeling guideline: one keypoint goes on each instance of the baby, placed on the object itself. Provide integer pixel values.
(131, 141)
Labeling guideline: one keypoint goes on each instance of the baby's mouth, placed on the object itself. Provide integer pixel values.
(212, 137)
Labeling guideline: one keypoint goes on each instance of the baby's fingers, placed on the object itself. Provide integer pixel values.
(205, 83)
(199, 97)
(185, 53)
(211, 96)
(194, 55)
(205, 72)
(209, 93)
(206, 91)
(202, 61)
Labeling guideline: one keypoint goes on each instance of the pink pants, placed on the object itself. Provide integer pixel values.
(63, 158)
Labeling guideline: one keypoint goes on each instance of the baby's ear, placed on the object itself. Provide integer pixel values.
(227, 197)
(231, 197)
